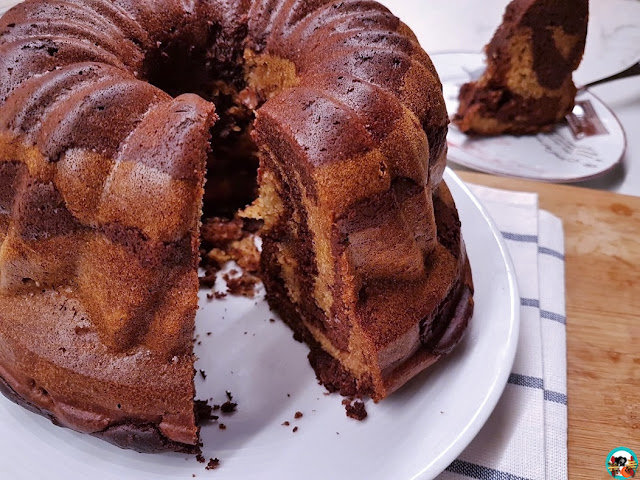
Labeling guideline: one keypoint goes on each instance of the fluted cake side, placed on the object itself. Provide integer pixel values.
(103, 156)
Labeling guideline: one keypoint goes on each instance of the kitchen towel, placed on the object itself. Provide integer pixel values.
(526, 435)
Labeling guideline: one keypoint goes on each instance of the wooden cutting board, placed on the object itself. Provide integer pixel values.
(602, 243)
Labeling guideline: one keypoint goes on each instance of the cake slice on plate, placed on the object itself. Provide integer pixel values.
(527, 86)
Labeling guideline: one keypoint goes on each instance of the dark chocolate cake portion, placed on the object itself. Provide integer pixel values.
(527, 86)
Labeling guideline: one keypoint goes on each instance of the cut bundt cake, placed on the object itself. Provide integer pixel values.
(527, 86)
(108, 131)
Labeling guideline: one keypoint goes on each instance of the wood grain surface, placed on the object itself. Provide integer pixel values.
(602, 243)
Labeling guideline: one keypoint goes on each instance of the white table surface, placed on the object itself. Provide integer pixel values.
(613, 44)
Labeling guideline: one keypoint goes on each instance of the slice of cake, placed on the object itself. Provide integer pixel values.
(527, 86)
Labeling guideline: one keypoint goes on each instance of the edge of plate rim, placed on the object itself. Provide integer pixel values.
(485, 409)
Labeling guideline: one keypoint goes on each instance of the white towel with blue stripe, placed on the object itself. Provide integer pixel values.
(526, 435)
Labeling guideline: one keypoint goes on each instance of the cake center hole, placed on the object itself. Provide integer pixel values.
(232, 164)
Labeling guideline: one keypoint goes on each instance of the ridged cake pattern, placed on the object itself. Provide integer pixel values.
(372, 189)
(101, 180)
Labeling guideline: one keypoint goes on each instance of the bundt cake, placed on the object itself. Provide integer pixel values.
(107, 131)
(527, 86)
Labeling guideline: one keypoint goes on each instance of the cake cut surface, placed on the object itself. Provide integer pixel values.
(108, 131)
(527, 86)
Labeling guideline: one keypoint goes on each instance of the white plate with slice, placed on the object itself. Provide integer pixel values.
(414, 434)
(557, 156)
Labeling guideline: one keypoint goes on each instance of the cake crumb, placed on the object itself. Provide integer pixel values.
(228, 407)
(243, 285)
(203, 374)
(217, 231)
(356, 410)
(222, 426)
(216, 295)
(245, 253)
(295, 429)
(200, 458)
(298, 415)
(203, 412)
(272, 320)
(209, 278)
(213, 464)
(285, 423)
(225, 240)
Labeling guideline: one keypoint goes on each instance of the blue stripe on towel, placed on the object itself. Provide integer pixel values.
(517, 237)
(556, 317)
(555, 397)
(536, 382)
(553, 253)
(526, 381)
(534, 302)
(530, 302)
(474, 470)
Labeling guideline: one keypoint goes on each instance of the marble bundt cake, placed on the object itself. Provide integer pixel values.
(107, 131)
(527, 86)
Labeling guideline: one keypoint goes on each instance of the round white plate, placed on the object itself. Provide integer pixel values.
(414, 434)
(553, 157)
